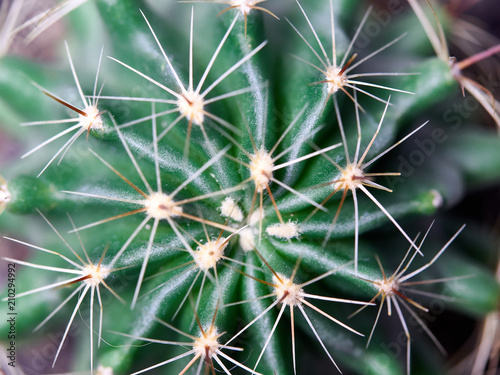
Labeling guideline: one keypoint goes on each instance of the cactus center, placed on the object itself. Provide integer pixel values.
(207, 255)
(191, 106)
(336, 79)
(207, 345)
(161, 206)
(95, 273)
(93, 120)
(352, 176)
(287, 292)
(261, 169)
(387, 287)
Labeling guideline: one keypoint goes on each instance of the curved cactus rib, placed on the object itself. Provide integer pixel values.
(287, 293)
(337, 77)
(90, 276)
(175, 199)
(88, 118)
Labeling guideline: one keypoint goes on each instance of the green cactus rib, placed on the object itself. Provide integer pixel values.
(247, 182)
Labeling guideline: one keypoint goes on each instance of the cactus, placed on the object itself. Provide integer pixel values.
(254, 194)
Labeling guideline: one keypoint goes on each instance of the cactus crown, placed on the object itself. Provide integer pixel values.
(213, 189)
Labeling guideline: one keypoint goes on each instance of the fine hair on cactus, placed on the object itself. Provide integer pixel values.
(176, 179)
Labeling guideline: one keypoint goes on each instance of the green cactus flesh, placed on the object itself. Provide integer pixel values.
(250, 194)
